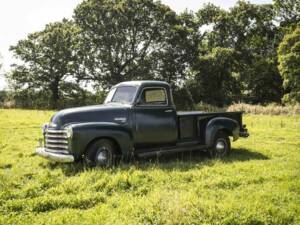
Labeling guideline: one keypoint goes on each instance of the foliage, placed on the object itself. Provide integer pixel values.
(288, 12)
(215, 82)
(289, 65)
(220, 56)
(49, 60)
(258, 183)
(30, 99)
(271, 109)
(3, 96)
(129, 40)
(249, 31)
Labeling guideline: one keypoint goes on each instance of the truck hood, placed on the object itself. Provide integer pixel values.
(97, 113)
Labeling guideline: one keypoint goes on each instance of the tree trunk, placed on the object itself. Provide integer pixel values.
(55, 94)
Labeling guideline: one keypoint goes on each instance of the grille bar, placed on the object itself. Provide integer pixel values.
(56, 146)
(56, 136)
(56, 131)
(56, 141)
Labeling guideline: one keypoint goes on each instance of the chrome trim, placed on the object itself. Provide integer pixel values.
(56, 136)
(57, 157)
(56, 141)
(56, 146)
(56, 131)
(58, 151)
(121, 119)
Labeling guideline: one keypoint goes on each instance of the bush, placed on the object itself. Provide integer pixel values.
(266, 110)
(29, 99)
(209, 108)
(271, 109)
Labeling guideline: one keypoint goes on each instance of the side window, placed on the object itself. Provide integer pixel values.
(154, 96)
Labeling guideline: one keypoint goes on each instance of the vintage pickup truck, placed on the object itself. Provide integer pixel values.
(138, 118)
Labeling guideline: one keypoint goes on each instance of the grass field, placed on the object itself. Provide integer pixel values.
(258, 184)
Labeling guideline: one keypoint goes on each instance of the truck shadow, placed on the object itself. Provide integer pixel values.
(189, 160)
(180, 161)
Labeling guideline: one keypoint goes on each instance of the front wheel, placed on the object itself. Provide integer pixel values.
(101, 153)
(221, 147)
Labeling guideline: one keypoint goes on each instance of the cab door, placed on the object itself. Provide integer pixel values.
(155, 119)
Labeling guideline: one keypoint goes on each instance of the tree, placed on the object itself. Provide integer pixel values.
(179, 52)
(215, 81)
(288, 12)
(48, 60)
(134, 39)
(250, 31)
(289, 66)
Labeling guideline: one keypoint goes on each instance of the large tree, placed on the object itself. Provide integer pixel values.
(215, 81)
(134, 39)
(250, 31)
(48, 60)
(289, 65)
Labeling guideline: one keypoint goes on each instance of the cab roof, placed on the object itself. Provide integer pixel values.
(144, 83)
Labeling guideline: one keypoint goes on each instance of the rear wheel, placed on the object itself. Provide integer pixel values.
(221, 147)
(101, 153)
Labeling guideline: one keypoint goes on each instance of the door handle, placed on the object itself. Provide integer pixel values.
(168, 110)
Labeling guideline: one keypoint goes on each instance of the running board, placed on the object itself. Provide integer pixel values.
(169, 150)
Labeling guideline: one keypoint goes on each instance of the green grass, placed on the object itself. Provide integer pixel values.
(258, 184)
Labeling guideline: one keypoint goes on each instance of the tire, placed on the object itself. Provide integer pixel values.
(221, 147)
(101, 153)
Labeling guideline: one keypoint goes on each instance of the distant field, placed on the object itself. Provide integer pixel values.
(258, 184)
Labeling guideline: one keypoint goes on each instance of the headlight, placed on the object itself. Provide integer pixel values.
(53, 125)
(69, 132)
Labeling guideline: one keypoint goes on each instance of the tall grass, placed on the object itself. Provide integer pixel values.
(258, 183)
(271, 109)
(266, 110)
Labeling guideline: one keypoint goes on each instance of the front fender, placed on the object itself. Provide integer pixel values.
(85, 133)
(221, 123)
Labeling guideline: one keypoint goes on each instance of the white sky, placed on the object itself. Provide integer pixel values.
(18, 18)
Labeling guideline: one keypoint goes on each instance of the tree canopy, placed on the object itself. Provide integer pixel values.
(214, 56)
(49, 60)
(126, 40)
(289, 65)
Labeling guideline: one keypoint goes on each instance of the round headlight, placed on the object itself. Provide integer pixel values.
(69, 132)
(53, 125)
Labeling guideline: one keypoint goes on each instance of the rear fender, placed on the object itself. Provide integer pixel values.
(228, 125)
(86, 133)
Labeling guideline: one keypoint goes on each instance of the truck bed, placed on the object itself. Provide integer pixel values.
(192, 124)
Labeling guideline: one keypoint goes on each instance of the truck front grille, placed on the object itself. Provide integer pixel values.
(56, 141)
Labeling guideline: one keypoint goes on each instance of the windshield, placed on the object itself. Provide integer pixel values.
(123, 94)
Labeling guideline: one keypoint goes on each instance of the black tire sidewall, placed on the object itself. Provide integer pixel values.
(94, 150)
(220, 136)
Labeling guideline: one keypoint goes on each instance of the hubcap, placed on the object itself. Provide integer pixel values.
(220, 147)
(102, 156)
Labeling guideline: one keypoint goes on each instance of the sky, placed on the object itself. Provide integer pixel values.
(19, 18)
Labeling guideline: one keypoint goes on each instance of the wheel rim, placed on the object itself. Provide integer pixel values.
(220, 147)
(102, 156)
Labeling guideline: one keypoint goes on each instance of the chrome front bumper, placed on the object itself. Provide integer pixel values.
(57, 157)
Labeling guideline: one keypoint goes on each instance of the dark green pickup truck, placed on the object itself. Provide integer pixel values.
(138, 118)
